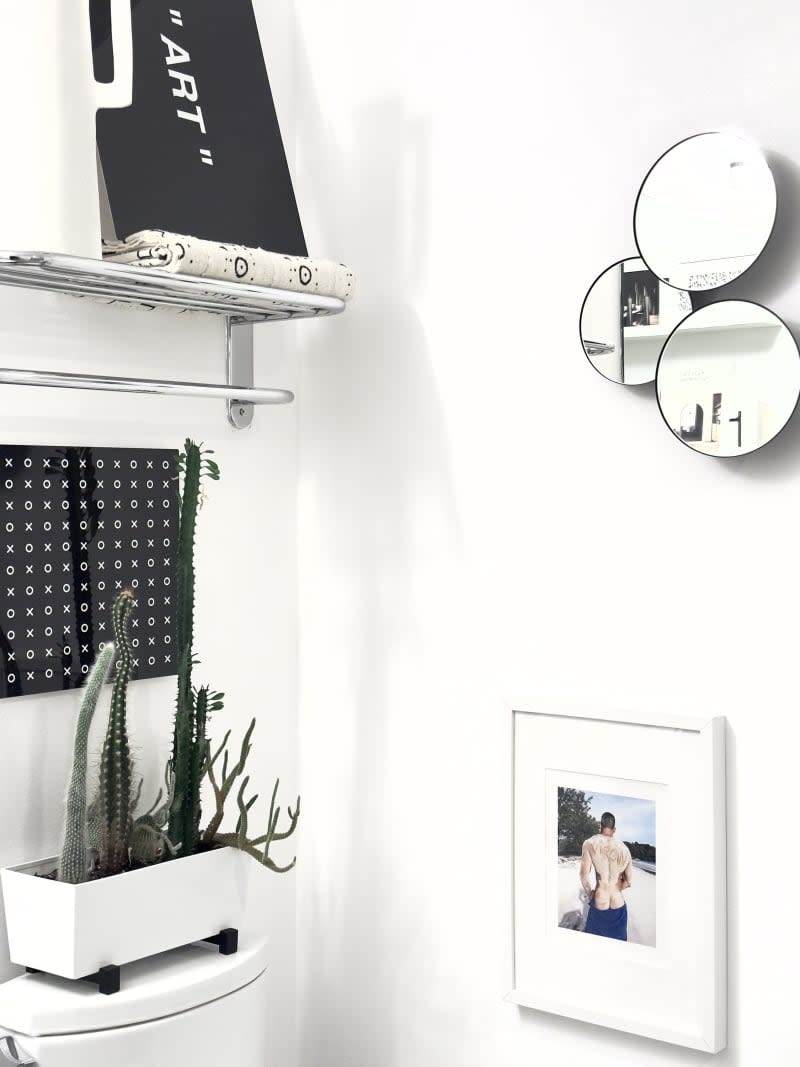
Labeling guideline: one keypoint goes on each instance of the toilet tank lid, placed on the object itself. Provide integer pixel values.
(38, 1005)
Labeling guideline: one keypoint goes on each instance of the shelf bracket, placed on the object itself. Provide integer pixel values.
(239, 369)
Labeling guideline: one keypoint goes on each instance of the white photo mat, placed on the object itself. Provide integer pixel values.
(674, 991)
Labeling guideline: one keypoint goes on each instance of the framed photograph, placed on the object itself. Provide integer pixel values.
(619, 908)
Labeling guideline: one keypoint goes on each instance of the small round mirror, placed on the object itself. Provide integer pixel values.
(705, 211)
(728, 378)
(626, 317)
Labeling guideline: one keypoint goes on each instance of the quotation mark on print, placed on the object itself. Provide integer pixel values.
(176, 16)
(205, 155)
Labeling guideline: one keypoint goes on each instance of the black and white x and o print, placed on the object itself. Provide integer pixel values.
(77, 526)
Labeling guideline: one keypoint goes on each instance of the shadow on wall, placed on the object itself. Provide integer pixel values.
(377, 477)
(780, 458)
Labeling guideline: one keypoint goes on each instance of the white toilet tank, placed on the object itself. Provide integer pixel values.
(190, 1007)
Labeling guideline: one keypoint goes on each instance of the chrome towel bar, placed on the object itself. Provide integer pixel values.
(62, 380)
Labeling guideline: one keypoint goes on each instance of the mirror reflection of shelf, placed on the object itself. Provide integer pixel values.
(644, 333)
(718, 323)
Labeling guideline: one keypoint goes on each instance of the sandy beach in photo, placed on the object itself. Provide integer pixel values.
(640, 898)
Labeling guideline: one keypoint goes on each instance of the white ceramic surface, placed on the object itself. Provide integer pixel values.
(190, 1006)
(38, 1005)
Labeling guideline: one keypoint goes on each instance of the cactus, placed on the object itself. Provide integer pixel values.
(190, 746)
(149, 841)
(205, 702)
(74, 864)
(115, 765)
(94, 826)
(171, 826)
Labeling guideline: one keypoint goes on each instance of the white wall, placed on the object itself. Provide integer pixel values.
(246, 622)
(482, 516)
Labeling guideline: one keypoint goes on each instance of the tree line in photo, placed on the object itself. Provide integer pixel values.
(576, 824)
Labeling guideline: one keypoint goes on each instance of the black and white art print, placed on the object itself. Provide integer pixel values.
(79, 525)
(199, 151)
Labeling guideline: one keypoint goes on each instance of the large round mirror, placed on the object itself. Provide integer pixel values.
(626, 317)
(728, 378)
(705, 211)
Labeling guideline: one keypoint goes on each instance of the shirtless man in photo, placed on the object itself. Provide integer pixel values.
(613, 868)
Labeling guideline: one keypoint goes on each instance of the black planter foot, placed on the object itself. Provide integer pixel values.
(107, 980)
(226, 940)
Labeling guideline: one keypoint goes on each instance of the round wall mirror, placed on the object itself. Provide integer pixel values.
(626, 317)
(705, 211)
(728, 378)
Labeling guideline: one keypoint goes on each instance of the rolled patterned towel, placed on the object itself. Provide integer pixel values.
(179, 254)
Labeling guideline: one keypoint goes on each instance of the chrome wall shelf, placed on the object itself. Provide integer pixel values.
(152, 287)
(240, 305)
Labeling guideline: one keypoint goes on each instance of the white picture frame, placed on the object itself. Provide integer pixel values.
(674, 990)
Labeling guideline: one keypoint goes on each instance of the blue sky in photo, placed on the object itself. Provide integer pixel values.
(636, 819)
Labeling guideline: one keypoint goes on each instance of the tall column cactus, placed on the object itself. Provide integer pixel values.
(74, 864)
(205, 703)
(116, 772)
(190, 746)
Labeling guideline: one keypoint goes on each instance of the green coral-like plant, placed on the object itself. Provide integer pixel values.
(116, 768)
(190, 744)
(257, 847)
(74, 863)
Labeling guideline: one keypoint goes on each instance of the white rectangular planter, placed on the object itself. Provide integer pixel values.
(73, 930)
